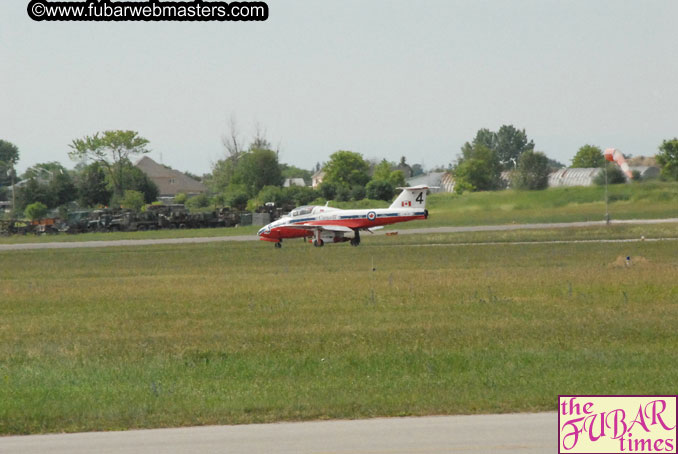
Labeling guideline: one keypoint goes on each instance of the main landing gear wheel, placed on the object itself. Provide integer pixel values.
(318, 243)
(278, 245)
(355, 241)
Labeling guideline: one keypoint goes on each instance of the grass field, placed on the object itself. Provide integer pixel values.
(650, 200)
(102, 339)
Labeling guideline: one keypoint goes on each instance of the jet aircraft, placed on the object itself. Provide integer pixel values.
(327, 224)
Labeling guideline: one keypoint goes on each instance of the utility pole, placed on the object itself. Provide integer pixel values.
(607, 211)
(13, 192)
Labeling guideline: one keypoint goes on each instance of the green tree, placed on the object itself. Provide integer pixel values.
(508, 144)
(343, 194)
(667, 158)
(272, 194)
(417, 170)
(382, 171)
(53, 187)
(36, 210)
(379, 190)
(300, 195)
(483, 137)
(92, 186)
(135, 179)
(58, 180)
(532, 171)
(256, 169)
(357, 193)
(32, 191)
(347, 169)
(132, 200)
(62, 188)
(235, 196)
(588, 156)
(328, 190)
(222, 174)
(479, 171)
(111, 149)
(198, 201)
(43, 170)
(9, 156)
(511, 144)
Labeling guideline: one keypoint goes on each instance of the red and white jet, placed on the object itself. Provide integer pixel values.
(323, 223)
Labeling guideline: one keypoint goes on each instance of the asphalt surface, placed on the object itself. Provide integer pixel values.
(497, 434)
(479, 228)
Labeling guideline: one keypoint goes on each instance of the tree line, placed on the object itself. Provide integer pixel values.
(493, 160)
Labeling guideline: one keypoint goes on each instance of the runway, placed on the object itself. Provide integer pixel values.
(428, 230)
(498, 434)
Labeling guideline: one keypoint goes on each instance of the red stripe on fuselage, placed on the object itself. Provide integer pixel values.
(292, 232)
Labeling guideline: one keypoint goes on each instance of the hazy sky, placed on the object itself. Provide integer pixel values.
(384, 78)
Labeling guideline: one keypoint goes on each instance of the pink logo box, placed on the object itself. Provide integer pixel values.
(617, 424)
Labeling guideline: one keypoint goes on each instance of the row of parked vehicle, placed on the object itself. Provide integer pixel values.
(154, 217)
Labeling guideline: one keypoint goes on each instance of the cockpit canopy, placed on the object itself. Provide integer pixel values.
(300, 211)
(310, 209)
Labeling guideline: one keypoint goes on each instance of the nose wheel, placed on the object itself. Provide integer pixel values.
(317, 241)
(278, 245)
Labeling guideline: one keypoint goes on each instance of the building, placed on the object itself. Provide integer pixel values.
(170, 182)
(438, 181)
(294, 182)
(571, 176)
(317, 178)
(646, 172)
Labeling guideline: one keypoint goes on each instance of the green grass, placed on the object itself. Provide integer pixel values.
(611, 232)
(647, 200)
(102, 339)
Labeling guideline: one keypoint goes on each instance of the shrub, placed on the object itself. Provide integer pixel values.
(614, 175)
(132, 200)
(180, 198)
(36, 210)
(198, 201)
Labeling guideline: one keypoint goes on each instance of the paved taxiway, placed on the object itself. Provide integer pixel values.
(429, 230)
(497, 434)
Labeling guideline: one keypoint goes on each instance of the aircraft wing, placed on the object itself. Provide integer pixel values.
(328, 227)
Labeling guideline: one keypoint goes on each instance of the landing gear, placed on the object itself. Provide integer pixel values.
(317, 241)
(278, 245)
(355, 241)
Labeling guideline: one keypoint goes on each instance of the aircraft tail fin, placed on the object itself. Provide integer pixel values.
(412, 197)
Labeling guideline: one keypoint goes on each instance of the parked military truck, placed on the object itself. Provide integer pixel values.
(100, 220)
(130, 221)
(174, 216)
(75, 222)
(15, 227)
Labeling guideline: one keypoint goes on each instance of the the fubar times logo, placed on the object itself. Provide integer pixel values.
(617, 424)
